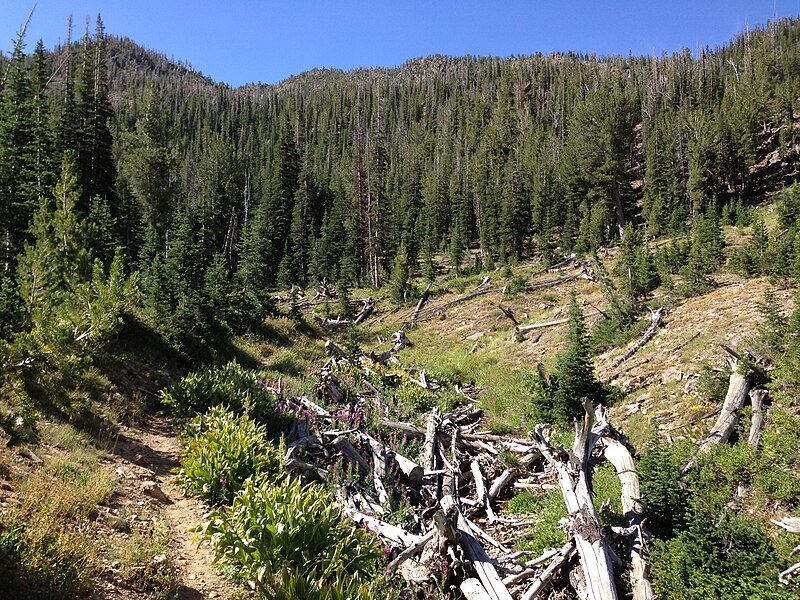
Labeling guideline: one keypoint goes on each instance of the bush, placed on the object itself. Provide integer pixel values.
(242, 391)
(293, 542)
(732, 560)
(221, 450)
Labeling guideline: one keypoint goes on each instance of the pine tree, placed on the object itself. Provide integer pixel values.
(18, 175)
(401, 282)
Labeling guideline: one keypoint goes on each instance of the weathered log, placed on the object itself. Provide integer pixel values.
(431, 311)
(369, 306)
(312, 471)
(574, 479)
(412, 550)
(313, 407)
(655, 321)
(526, 328)
(487, 574)
(410, 431)
(423, 299)
(618, 455)
(739, 385)
(501, 482)
(473, 590)
(480, 490)
(757, 398)
(537, 285)
(335, 350)
(393, 533)
(429, 453)
(408, 467)
(561, 557)
(343, 445)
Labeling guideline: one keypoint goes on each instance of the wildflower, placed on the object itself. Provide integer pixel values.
(223, 481)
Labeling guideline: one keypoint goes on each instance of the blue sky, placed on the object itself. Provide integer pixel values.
(246, 41)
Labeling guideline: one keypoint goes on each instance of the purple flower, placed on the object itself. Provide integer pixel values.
(223, 481)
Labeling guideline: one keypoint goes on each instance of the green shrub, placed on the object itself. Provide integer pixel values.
(293, 542)
(663, 499)
(221, 450)
(242, 391)
(732, 560)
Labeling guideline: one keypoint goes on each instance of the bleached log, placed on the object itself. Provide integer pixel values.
(335, 350)
(409, 430)
(501, 482)
(369, 306)
(480, 489)
(487, 574)
(537, 285)
(423, 299)
(531, 327)
(561, 557)
(790, 524)
(649, 334)
(433, 310)
(739, 385)
(314, 407)
(757, 421)
(412, 550)
(473, 590)
(574, 479)
(393, 533)
(785, 577)
(408, 467)
(429, 453)
(343, 445)
(618, 455)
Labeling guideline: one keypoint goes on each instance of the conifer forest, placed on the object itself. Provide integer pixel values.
(468, 327)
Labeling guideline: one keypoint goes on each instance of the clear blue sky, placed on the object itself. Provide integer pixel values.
(242, 41)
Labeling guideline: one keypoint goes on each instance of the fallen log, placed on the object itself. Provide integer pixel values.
(649, 334)
(369, 306)
(618, 455)
(409, 430)
(481, 492)
(412, 550)
(574, 479)
(343, 445)
(501, 482)
(558, 561)
(407, 467)
(757, 398)
(431, 311)
(393, 533)
(423, 299)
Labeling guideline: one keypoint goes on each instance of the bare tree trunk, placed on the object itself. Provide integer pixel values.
(574, 479)
(619, 456)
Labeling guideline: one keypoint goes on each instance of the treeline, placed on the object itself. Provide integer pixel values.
(216, 195)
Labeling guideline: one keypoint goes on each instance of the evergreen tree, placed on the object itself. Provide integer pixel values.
(401, 282)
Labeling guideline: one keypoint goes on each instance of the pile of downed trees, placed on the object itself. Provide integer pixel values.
(456, 539)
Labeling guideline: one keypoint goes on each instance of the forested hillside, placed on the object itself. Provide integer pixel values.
(154, 222)
(334, 175)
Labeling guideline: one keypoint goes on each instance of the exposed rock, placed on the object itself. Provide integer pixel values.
(151, 489)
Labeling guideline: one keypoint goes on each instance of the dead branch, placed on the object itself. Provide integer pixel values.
(649, 334)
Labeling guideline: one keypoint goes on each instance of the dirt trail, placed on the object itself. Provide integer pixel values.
(156, 441)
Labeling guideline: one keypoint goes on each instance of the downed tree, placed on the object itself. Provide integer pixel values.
(574, 479)
(617, 453)
(739, 385)
(655, 321)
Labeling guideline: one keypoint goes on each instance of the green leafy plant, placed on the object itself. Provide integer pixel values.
(221, 450)
(242, 391)
(289, 537)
